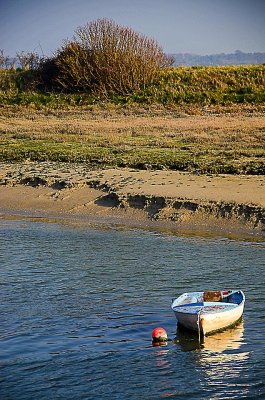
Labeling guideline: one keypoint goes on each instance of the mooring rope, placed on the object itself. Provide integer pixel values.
(198, 323)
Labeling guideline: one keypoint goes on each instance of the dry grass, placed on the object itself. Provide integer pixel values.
(209, 141)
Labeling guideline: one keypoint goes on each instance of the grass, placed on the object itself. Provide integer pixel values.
(204, 119)
(210, 85)
(182, 85)
(190, 139)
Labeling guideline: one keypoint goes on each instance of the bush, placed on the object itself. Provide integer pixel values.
(18, 80)
(48, 75)
(106, 58)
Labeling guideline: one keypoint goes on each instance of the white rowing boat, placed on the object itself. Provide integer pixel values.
(206, 312)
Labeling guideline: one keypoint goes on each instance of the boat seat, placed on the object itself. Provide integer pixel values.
(212, 295)
(186, 301)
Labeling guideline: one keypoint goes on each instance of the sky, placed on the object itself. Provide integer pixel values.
(179, 26)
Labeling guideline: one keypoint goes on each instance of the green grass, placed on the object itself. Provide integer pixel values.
(182, 85)
(208, 85)
(183, 158)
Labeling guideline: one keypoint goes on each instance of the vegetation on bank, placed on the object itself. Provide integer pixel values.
(109, 72)
(102, 60)
(108, 62)
(153, 138)
(172, 86)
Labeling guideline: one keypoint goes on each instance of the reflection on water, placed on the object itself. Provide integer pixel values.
(221, 359)
(229, 339)
(224, 361)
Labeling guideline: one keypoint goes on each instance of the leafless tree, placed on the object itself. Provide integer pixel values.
(108, 58)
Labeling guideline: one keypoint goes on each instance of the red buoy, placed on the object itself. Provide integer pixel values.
(159, 335)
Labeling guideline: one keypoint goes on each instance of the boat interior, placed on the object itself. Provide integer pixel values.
(211, 297)
(229, 296)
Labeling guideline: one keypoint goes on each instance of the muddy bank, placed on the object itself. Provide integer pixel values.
(189, 211)
(172, 199)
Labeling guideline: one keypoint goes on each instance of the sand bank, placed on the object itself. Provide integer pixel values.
(225, 204)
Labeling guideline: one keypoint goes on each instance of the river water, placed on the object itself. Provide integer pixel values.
(79, 303)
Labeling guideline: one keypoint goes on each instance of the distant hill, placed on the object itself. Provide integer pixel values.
(236, 58)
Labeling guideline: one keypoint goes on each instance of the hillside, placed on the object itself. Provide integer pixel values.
(236, 58)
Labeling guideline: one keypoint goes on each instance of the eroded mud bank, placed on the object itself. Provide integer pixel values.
(162, 196)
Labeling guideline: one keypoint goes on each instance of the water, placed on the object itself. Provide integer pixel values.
(78, 305)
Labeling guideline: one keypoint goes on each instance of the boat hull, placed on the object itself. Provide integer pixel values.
(188, 321)
(206, 317)
(214, 322)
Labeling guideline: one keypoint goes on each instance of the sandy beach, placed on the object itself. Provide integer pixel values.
(224, 204)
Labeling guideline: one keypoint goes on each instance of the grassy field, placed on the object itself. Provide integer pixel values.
(210, 139)
(201, 119)
(208, 85)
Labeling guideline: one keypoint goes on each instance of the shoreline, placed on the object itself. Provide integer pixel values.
(222, 205)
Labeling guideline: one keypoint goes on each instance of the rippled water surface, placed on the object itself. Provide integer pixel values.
(78, 306)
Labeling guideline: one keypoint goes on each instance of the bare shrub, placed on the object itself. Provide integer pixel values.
(2, 59)
(75, 68)
(28, 60)
(108, 58)
(7, 62)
